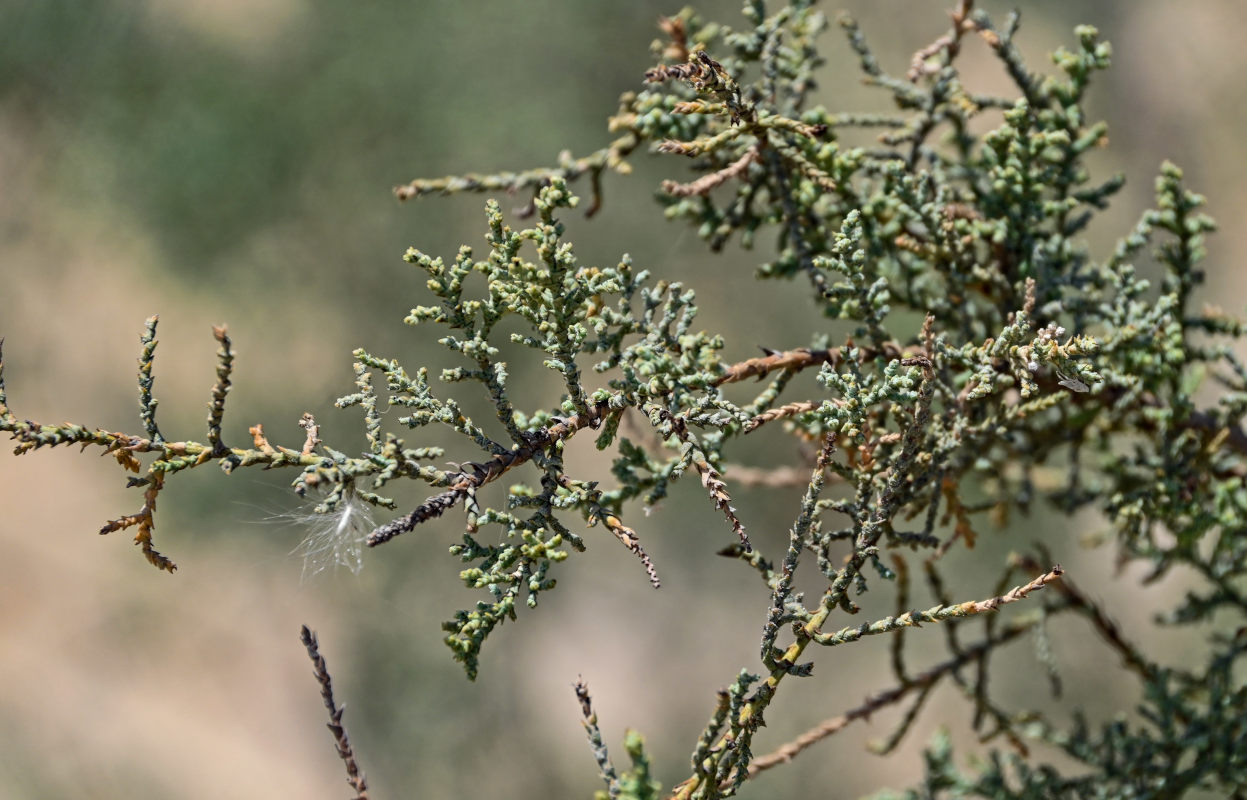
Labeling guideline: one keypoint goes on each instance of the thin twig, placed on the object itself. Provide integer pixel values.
(610, 157)
(308, 423)
(770, 477)
(1131, 655)
(626, 536)
(949, 42)
(260, 440)
(914, 619)
(833, 725)
(5, 414)
(590, 721)
(789, 410)
(145, 519)
(148, 403)
(216, 408)
(711, 479)
(798, 359)
(321, 670)
(706, 183)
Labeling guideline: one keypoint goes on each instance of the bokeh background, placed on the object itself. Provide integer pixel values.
(224, 161)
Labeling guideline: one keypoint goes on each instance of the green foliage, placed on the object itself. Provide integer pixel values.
(991, 362)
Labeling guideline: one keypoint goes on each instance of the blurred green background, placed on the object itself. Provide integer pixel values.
(224, 161)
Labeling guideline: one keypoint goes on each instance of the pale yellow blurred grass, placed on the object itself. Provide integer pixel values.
(249, 28)
(122, 682)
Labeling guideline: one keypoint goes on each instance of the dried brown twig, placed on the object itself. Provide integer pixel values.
(308, 423)
(949, 42)
(145, 519)
(706, 183)
(789, 410)
(798, 359)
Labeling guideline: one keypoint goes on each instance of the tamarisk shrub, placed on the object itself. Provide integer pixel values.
(974, 360)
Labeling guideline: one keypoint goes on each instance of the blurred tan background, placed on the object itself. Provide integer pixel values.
(222, 161)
